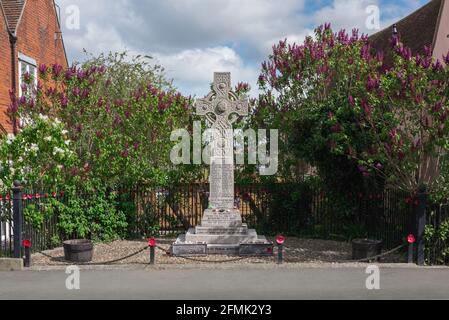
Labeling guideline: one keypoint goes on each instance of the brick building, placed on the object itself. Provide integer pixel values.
(30, 35)
(428, 26)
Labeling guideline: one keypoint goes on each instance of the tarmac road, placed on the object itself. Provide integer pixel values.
(230, 284)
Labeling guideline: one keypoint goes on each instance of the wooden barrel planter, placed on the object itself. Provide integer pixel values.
(78, 250)
(366, 248)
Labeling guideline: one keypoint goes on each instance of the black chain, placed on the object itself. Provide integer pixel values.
(212, 261)
(207, 261)
(99, 263)
(120, 259)
(375, 257)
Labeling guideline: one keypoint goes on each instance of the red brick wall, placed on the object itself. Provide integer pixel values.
(442, 41)
(5, 71)
(36, 39)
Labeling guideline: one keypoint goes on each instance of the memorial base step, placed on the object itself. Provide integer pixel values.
(243, 230)
(226, 219)
(231, 238)
(259, 247)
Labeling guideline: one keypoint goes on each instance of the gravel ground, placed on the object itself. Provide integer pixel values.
(296, 251)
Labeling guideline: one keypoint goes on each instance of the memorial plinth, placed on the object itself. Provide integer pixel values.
(222, 230)
(222, 233)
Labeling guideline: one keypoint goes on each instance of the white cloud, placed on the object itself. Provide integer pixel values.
(194, 38)
(167, 25)
(196, 68)
(96, 39)
(297, 38)
(346, 14)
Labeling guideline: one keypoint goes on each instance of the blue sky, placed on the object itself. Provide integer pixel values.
(194, 38)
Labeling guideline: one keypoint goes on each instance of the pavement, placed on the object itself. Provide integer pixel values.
(264, 282)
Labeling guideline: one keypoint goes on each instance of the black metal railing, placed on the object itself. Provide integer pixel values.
(389, 216)
(6, 227)
(437, 234)
(44, 233)
(290, 209)
(283, 208)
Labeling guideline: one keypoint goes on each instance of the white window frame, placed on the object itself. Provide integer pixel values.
(29, 62)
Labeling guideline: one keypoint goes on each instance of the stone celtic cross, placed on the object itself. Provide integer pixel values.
(222, 230)
(222, 107)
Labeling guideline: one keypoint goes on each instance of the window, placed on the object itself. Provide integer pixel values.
(27, 66)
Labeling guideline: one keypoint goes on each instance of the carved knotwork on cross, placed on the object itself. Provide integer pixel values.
(222, 107)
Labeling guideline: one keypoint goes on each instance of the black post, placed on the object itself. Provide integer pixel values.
(421, 225)
(280, 254)
(17, 219)
(152, 255)
(27, 261)
(410, 253)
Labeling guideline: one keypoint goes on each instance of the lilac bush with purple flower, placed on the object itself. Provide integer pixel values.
(116, 115)
(119, 113)
(347, 112)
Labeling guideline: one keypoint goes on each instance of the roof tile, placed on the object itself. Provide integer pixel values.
(13, 10)
(416, 31)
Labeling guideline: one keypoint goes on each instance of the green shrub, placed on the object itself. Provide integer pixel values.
(94, 216)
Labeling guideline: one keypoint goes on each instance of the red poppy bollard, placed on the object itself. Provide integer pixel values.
(27, 260)
(280, 240)
(152, 245)
(411, 242)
